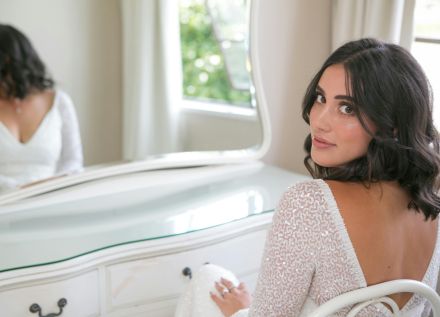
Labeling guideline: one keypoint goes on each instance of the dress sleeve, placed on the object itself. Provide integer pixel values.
(71, 157)
(288, 262)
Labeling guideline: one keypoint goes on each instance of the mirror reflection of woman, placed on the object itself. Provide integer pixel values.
(39, 133)
(370, 214)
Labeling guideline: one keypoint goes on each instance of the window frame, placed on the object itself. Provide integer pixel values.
(218, 108)
(427, 40)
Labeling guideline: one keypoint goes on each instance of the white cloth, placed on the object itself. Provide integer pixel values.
(195, 300)
(309, 259)
(54, 149)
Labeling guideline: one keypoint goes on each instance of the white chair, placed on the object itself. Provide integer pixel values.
(377, 293)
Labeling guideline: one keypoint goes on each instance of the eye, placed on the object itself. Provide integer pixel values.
(346, 109)
(319, 98)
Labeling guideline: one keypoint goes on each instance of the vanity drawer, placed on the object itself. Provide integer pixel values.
(156, 281)
(81, 293)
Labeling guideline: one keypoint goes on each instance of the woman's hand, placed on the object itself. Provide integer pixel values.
(233, 298)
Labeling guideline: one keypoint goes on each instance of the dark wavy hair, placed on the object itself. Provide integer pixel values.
(389, 88)
(21, 70)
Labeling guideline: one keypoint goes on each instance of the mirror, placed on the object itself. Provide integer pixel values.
(92, 52)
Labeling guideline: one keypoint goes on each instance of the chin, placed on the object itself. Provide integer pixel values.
(326, 162)
(327, 165)
(323, 162)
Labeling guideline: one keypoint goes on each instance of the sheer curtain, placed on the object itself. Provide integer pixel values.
(151, 77)
(388, 20)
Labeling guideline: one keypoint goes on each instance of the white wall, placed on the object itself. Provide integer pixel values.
(295, 38)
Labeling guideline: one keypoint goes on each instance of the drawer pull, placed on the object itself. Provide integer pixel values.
(35, 308)
(187, 272)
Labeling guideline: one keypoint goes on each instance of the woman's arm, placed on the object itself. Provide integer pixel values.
(288, 262)
(71, 157)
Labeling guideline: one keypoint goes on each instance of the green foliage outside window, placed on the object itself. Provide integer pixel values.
(204, 72)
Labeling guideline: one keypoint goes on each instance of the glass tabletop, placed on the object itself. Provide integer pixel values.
(183, 201)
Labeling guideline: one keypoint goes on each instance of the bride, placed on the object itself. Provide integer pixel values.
(39, 133)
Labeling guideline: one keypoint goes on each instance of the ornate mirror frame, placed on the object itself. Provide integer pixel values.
(172, 160)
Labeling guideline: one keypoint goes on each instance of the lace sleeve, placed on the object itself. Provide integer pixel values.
(289, 258)
(71, 157)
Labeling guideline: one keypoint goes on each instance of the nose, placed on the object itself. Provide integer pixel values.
(320, 118)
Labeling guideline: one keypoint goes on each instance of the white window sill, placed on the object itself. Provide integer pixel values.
(220, 110)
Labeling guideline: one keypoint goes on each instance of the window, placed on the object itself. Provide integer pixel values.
(214, 41)
(426, 46)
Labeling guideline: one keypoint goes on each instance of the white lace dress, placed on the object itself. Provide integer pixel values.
(54, 149)
(309, 259)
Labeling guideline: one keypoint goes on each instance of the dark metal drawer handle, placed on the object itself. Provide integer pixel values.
(187, 272)
(35, 308)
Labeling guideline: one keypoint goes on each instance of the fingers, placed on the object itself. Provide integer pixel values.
(221, 289)
(217, 299)
(229, 285)
(225, 287)
(232, 300)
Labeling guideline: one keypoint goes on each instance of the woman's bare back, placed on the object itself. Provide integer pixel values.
(390, 241)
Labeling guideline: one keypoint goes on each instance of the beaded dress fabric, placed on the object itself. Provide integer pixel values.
(308, 260)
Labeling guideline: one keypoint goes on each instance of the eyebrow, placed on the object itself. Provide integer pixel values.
(340, 97)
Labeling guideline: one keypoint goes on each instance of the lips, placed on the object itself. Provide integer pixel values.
(321, 143)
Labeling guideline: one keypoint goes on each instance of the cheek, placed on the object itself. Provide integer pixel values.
(315, 117)
(354, 125)
(357, 137)
(312, 116)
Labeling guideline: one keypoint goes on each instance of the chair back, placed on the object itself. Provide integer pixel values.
(378, 293)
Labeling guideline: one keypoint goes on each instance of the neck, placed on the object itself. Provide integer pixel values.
(14, 103)
(17, 104)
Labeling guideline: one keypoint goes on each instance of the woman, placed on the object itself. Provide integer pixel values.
(370, 213)
(39, 135)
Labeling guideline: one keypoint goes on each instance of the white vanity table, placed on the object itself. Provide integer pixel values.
(123, 252)
(123, 240)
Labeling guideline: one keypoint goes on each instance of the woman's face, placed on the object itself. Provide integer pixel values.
(338, 137)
